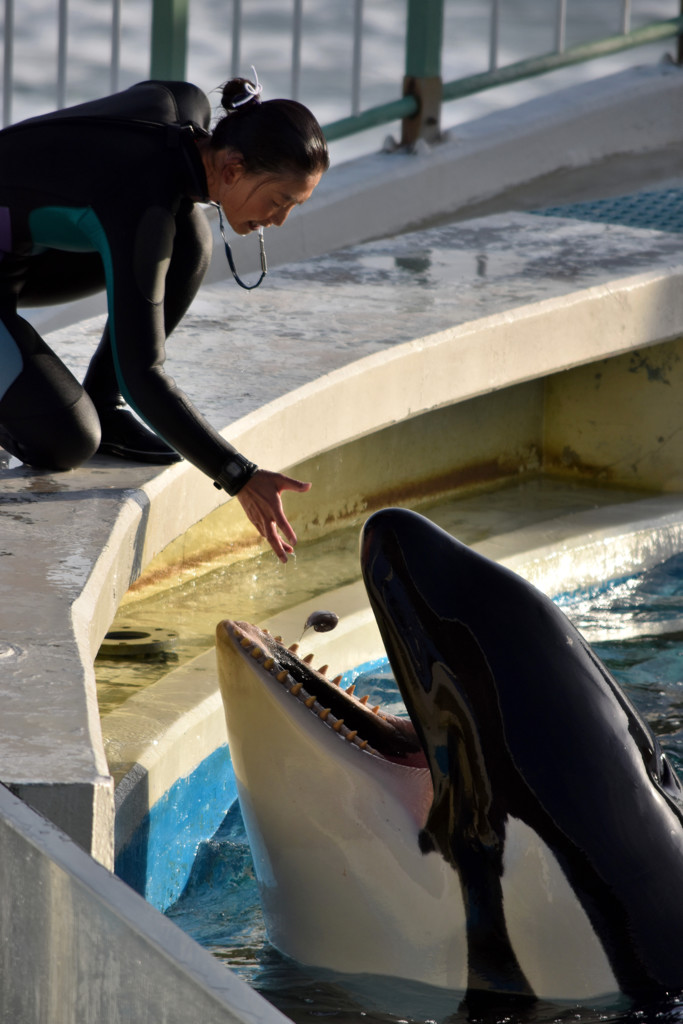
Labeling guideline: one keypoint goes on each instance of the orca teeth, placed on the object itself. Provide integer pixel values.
(297, 690)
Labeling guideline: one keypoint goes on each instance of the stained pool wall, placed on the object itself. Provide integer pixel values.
(614, 422)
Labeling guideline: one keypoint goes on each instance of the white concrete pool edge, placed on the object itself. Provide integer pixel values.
(473, 359)
(476, 358)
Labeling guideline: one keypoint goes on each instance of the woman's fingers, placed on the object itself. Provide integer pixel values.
(262, 504)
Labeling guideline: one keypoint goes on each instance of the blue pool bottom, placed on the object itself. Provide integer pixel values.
(158, 860)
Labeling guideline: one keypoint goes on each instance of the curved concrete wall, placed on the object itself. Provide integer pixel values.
(80, 945)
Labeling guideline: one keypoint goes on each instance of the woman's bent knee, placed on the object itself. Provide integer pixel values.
(62, 439)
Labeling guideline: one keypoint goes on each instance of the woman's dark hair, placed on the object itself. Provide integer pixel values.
(276, 136)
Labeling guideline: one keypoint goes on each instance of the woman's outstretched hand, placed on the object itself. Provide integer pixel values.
(260, 499)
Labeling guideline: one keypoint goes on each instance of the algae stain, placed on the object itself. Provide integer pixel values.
(657, 373)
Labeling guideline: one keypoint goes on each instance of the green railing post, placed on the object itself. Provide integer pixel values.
(169, 40)
(424, 39)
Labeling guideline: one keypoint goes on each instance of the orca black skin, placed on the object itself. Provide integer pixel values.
(520, 720)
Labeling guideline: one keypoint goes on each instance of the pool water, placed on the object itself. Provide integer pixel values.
(635, 626)
(260, 587)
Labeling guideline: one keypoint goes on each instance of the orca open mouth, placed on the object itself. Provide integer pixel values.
(337, 707)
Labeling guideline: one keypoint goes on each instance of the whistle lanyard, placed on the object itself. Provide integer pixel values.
(231, 262)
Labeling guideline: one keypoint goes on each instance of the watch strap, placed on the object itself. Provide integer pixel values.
(235, 473)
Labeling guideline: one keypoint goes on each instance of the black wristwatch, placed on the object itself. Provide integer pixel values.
(235, 473)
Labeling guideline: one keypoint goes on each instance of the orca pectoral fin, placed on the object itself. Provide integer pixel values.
(492, 964)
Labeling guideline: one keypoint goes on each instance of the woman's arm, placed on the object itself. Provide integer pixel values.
(137, 301)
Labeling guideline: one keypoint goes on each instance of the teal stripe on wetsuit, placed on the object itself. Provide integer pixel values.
(78, 229)
(11, 363)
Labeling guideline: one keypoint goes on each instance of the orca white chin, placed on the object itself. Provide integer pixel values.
(521, 835)
(332, 813)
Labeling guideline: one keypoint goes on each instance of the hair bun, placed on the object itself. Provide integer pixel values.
(239, 92)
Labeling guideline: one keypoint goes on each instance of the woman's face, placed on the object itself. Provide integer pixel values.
(250, 201)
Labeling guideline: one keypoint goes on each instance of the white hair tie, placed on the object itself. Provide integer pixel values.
(252, 92)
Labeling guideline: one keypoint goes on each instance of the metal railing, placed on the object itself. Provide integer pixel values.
(420, 79)
(424, 92)
(8, 82)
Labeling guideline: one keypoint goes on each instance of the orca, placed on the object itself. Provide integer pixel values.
(521, 834)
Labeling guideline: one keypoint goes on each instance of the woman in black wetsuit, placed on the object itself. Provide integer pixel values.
(102, 195)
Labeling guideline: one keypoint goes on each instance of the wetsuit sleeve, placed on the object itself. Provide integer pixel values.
(138, 255)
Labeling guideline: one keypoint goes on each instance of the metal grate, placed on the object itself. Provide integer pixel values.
(659, 210)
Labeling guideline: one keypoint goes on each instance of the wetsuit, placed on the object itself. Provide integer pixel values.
(103, 195)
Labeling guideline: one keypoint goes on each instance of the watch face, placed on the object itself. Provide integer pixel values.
(235, 472)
